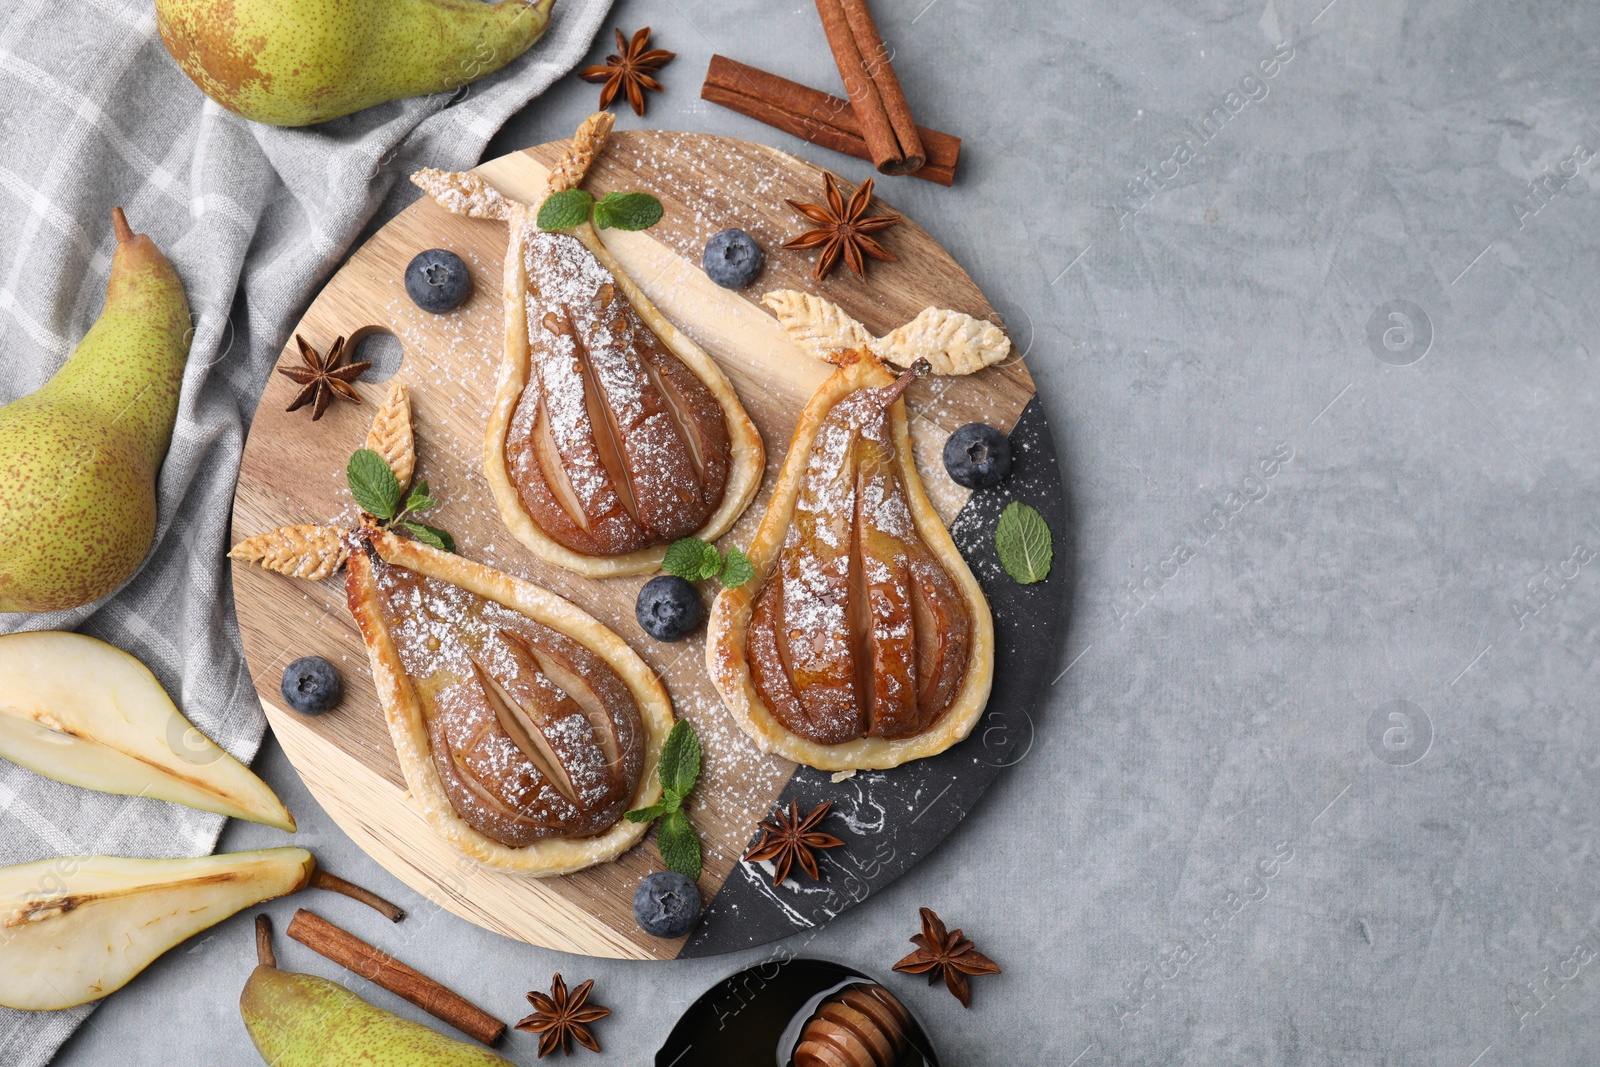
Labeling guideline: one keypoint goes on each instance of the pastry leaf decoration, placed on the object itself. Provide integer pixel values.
(695, 560)
(1022, 541)
(304, 551)
(378, 493)
(678, 770)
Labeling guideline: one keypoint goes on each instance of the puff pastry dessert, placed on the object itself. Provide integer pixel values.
(523, 726)
(863, 641)
(612, 433)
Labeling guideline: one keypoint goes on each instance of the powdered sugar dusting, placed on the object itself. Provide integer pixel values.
(446, 636)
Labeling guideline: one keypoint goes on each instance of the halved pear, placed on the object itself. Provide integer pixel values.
(75, 929)
(86, 713)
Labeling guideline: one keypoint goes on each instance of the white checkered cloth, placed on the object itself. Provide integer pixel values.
(95, 115)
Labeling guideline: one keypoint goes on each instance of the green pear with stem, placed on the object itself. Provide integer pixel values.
(302, 1020)
(298, 62)
(79, 457)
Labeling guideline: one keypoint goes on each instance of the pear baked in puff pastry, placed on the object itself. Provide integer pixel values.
(863, 641)
(612, 433)
(523, 726)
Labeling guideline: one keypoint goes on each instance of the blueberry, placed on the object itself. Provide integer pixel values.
(438, 281)
(666, 904)
(977, 456)
(311, 685)
(732, 259)
(669, 608)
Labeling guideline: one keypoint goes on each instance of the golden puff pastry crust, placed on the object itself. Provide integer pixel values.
(403, 709)
(727, 633)
(468, 194)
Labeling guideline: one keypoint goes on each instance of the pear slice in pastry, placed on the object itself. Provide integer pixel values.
(612, 433)
(524, 727)
(863, 641)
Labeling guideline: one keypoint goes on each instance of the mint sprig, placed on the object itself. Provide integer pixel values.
(564, 210)
(678, 771)
(737, 568)
(695, 560)
(373, 484)
(627, 211)
(614, 211)
(1022, 541)
(378, 492)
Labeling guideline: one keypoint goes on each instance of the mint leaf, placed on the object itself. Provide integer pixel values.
(627, 211)
(680, 759)
(692, 559)
(679, 845)
(737, 569)
(650, 814)
(431, 535)
(373, 484)
(419, 500)
(565, 209)
(1022, 541)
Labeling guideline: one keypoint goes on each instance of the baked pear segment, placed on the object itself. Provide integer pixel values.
(612, 434)
(614, 445)
(863, 641)
(524, 727)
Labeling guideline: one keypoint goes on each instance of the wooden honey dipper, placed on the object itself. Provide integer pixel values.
(863, 1026)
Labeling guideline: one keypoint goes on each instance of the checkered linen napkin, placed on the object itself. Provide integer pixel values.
(95, 115)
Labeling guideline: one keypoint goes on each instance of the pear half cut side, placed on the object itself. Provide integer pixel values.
(728, 632)
(77, 928)
(408, 718)
(83, 712)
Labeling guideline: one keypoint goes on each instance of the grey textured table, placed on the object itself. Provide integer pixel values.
(1317, 782)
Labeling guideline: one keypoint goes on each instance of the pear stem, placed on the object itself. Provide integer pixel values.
(321, 879)
(264, 954)
(119, 222)
(890, 393)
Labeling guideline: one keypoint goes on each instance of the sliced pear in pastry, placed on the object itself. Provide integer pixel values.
(77, 928)
(863, 640)
(523, 726)
(612, 433)
(86, 713)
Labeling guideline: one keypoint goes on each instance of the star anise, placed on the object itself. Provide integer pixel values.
(559, 1018)
(787, 838)
(630, 69)
(844, 230)
(323, 379)
(948, 955)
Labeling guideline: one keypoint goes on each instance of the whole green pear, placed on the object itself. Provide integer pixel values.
(297, 62)
(301, 1020)
(78, 458)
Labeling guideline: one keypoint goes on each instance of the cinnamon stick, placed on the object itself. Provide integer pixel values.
(352, 953)
(814, 115)
(869, 80)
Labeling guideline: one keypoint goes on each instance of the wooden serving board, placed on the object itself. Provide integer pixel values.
(293, 472)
